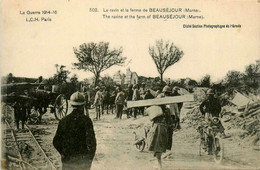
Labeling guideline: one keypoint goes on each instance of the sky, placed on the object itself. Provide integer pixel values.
(31, 49)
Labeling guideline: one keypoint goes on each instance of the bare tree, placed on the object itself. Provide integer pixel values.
(97, 58)
(164, 55)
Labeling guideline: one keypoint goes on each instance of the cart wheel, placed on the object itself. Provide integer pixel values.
(34, 115)
(61, 107)
(218, 150)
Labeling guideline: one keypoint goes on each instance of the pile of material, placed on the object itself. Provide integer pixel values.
(193, 117)
(248, 120)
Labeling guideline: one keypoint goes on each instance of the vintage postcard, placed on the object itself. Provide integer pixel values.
(130, 84)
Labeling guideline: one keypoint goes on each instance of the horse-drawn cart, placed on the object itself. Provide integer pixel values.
(37, 98)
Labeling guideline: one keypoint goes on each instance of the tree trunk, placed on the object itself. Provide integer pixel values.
(97, 79)
(161, 75)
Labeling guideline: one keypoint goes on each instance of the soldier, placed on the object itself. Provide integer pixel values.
(178, 112)
(20, 112)
(148, 94)
(211, 108)
(142, 89)
(98, 102)
(75, 137)
(173, 109)
(142, 94)
(102, 90)
(87, 99)
(136, 96)
(158, 138)
(129, 98)
(120, 100)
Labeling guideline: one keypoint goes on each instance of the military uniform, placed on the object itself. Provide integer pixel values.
(136, 96)
(129, 95)
(120, 100)
(158, 137)
(178, 109)
(210, 108)
(98, 102)
(75, 141)
(87, 100)
(20, 111)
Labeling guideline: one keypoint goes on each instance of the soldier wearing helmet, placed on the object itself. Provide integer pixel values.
(166, 90)
(159, 134)
(211, 105)
(75, 137)
(211, 108)
(173, 111)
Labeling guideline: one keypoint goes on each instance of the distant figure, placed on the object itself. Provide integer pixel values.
(142, 89)
(148, 95)
(20, 111)
(98, 102)
(178, 112)
(120, 100)
(102, 89)
(129, 98)
(87, 100)
(75, 137)
(136, 96)
(142, 94)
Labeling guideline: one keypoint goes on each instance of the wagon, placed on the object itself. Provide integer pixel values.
(37, 98)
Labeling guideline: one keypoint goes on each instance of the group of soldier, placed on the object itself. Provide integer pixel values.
(75, 137)
(121, 96)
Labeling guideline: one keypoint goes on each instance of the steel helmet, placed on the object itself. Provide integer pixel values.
(77, 99)
(166, 89)
(210, 91)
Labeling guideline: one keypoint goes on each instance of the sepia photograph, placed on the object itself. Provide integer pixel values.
(123, 85)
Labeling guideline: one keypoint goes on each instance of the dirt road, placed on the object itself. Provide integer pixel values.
(115, 149)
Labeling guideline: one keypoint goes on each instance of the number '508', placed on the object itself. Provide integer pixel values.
(93, 10)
